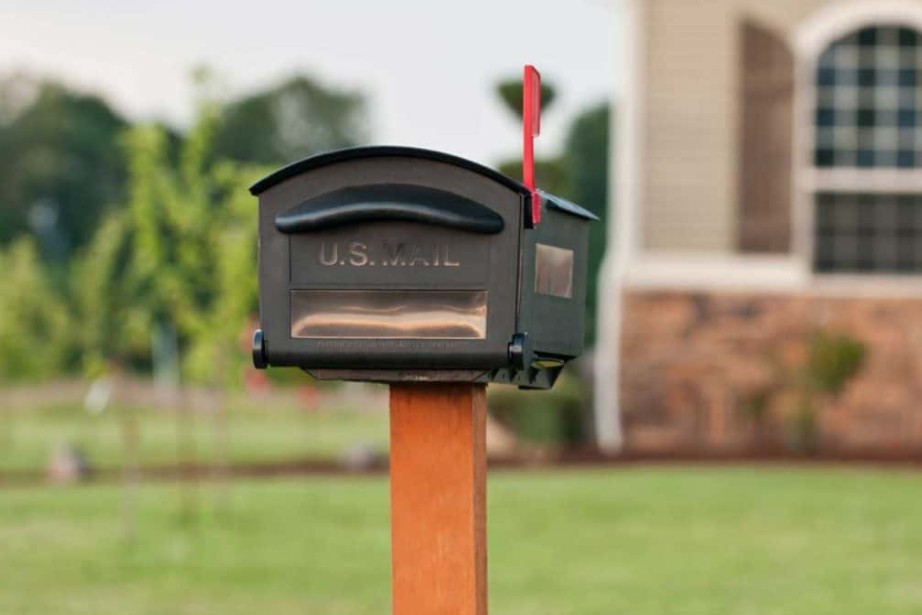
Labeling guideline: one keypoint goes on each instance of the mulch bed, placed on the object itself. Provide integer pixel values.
(587, 458)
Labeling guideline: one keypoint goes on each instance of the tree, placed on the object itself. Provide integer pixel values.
(579, 173)
(550, 173)
(510, 92)
(294, 119)
(36, 328)
(177, 262)
(190, 222)
(62, 167)
(59, 160)
(585, 163)
(35, 325)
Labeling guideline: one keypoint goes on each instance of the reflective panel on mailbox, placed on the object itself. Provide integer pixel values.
(389, 314)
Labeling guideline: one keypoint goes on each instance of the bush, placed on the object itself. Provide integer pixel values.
(834, 360)
(552, 417)
(36, 328)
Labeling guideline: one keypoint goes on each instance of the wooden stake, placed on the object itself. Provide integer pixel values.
(438, 499)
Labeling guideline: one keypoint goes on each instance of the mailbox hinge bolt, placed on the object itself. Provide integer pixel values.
(518, 349)
(260, 358)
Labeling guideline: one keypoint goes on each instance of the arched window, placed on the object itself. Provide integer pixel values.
(867, 153)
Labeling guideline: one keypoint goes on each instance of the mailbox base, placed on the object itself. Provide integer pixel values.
(530, 378)
(397, 375)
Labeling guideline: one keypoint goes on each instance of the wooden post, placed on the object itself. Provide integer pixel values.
(438, 499)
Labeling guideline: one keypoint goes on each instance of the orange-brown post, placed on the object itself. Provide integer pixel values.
(438, 499)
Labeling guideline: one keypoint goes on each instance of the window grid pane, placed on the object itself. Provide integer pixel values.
(868, 233)
(869, 100)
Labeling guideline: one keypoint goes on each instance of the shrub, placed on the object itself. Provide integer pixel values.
(36, 327)
(552, 417)
(834, 360)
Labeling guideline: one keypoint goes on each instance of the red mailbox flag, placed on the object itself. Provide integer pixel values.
(531, 128)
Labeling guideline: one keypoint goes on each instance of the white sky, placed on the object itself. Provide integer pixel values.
(428, 66)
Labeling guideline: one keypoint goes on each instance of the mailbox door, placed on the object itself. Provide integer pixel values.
(394, 262)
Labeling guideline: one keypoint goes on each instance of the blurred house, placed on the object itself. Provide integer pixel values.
(768, 173)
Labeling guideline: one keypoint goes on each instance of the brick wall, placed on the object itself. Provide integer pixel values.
(721, 371)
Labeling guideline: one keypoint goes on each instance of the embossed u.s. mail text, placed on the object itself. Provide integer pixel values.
(385, 254)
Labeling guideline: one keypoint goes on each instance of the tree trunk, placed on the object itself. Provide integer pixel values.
(185, 455)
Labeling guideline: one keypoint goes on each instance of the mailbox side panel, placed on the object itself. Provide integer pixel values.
(554, 269)
(382, 262)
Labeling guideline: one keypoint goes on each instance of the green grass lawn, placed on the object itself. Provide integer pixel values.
(640, 542)
(256, 434)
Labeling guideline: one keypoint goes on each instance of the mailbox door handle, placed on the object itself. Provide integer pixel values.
(389, 202)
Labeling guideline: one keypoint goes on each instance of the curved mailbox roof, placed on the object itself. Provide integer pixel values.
(377, 151)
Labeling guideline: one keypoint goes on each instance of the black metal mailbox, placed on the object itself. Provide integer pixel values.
(400, 264)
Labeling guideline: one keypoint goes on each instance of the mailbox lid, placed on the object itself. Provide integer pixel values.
(382, 151)
(377, 260)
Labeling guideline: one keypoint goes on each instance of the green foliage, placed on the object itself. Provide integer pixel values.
(580, 174)
(510, 92)
(182, 255)
(803, 433)
(550, 173)
(552, 417)
(587, 170)
(834, 360)
(58, 148)
(61, 153)
(155, 230)
(292, 120)
(114, 328)
(214, 348)
(35, 326)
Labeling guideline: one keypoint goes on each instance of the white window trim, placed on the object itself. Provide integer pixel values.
(838, 19)
(808, 42)
(880, 181)
(759, 275)
(715, 271)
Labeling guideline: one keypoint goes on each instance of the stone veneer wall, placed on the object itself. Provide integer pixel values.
(715, 371)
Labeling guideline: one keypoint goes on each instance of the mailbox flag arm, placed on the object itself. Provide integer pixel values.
(531, 128)
(389, 202)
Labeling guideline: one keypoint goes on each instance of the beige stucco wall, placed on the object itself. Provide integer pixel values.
(690, 89)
